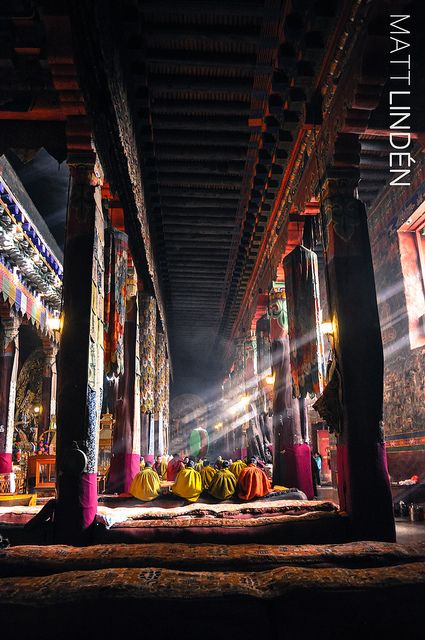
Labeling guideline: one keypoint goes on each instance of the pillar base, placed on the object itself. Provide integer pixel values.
(296, 468)
(364, 490)
(5, 463)
(124, 466)
(76, 508)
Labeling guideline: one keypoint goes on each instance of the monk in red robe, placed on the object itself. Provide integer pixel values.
(252, 482)
(174, 466)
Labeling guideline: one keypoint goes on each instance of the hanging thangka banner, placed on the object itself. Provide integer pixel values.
(160, 374)
(147, 315)
(262, 332)
(116, 252)
(302, 298)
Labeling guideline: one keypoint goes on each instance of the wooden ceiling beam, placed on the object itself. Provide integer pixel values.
(208, 168)
(239, 8)
(225, 195)
(198, 152)
(196, 123)
(177, 179)
(169, 106)
(232, 139)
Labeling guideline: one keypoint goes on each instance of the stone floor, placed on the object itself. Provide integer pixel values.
(406, 530)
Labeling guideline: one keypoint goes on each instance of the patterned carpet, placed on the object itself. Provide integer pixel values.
(363, 589)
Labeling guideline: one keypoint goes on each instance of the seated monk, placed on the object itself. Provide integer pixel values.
(174, 466)
(252, 482)
(223, 484)
(236, 467)
(142, 463)
(188, 484)
(207, 474)
(199, 464)
(146, 484)
(160, 467)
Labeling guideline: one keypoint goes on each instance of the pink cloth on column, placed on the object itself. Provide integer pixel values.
(344, 484)
(132, 468)
(88, 498)
(124, 466)
(5, 463)
(296, 467)
(149, 458)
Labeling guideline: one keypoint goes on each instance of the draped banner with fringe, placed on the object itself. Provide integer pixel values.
(302, 297)
(115, 299)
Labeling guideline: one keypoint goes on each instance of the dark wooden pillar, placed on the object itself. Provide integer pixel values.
(363, 481)
(80, 365)
(9, 350)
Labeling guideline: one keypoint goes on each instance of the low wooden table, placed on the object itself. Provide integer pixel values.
(18, 499)
(166, 487)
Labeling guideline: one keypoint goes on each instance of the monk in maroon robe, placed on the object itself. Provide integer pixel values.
(174, 466)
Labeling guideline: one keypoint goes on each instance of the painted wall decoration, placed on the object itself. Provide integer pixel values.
(404, 373)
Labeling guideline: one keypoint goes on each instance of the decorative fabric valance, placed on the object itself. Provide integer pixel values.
(18, 296)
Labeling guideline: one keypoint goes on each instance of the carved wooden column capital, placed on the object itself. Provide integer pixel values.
(9, 328)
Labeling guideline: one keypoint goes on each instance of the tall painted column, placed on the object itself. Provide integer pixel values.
(81, 357)
(9, 356)
(147, 309)
(160, 384)
(353, 399)
(166, 408)
(49, 384)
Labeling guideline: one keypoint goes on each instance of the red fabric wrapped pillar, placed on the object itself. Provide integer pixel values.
(80, 365)
(363, 481)
(292, 460)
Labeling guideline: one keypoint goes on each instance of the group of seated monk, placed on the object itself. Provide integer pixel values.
(221, 481)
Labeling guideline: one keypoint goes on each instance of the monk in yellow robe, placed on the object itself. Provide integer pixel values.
(146, 484)
(236, 467)
(199, 464)
(207, 474)
(223, 484)
(252, 482)
(188, 484)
